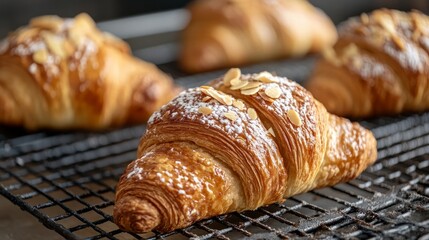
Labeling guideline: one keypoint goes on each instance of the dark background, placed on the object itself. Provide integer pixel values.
(14, 13)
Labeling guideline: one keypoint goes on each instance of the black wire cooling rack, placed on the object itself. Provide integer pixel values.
(67, 181)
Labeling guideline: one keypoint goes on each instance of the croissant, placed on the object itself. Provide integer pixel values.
(379, 66)
(225, 33)
(241, 143)
(65, 73)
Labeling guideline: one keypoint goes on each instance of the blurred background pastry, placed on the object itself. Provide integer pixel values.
(66, 74)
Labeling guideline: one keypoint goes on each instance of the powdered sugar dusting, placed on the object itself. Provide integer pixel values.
(411, 57)
(136, 170)
(32, 68)
(185, 109)
(28, 48)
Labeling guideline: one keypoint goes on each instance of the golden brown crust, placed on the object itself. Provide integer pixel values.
(225, 33)
(379, 66)
(241, 143)
(65, 73)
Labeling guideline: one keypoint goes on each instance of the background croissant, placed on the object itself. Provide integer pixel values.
(224, 33)
(251, 140)
(65, 73)
(379, 66)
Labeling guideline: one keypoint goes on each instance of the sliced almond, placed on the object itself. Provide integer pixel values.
(330, 55)
(250, 91)
(205, 110)
(233, 73)
(418, 25)
(251, 85)
(50, 22)
(357, 62)
(265, 97)
(55, 44)
(265, 77)
(350, 51)
(238, 84)
(294, 117)
(68, 48)
(40, 56)
(230, 115)
(238, 104)
(386, 22)
(273, 91)
(399, 42)
(227, 99)
(252, 113)
(206, 98)
(217, 95)
(26, 34)
(83, 26)
(84, 22)
(205, 87)
(76, 36)
(271, 131)
(364, 18)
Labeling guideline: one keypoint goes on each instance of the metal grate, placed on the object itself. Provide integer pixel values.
(67, 181)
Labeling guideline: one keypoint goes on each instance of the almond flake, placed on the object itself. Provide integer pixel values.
(252, 113)
(206, 98)
(399, 42)
(265, 77)
(418, 25)
(330, 55)
(76, 36)
(82, 27)
(84, 22)
(26, 34)
(357, 62)
(364, 18)
(55, 44)
(386, 22)
(251, 85)
(50, 22)
(205, 87)
(205, 110)
(250, 91)
(217, 95)
(233, 73)
(265, 97)
(238, 104)
(40, 56)
(230, 115)
(294, 117)
(350, 51)
(68, 48)
(273, 91)
(227, 99)
(271, 131)
(235, 85)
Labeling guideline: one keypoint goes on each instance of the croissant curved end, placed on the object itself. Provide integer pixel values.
(136, 215)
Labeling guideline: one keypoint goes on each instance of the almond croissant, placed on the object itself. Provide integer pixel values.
(379, 66)
(225, 33)
(245, 142)
(65, 73)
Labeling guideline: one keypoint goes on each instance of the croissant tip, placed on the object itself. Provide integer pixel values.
(136, 215)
